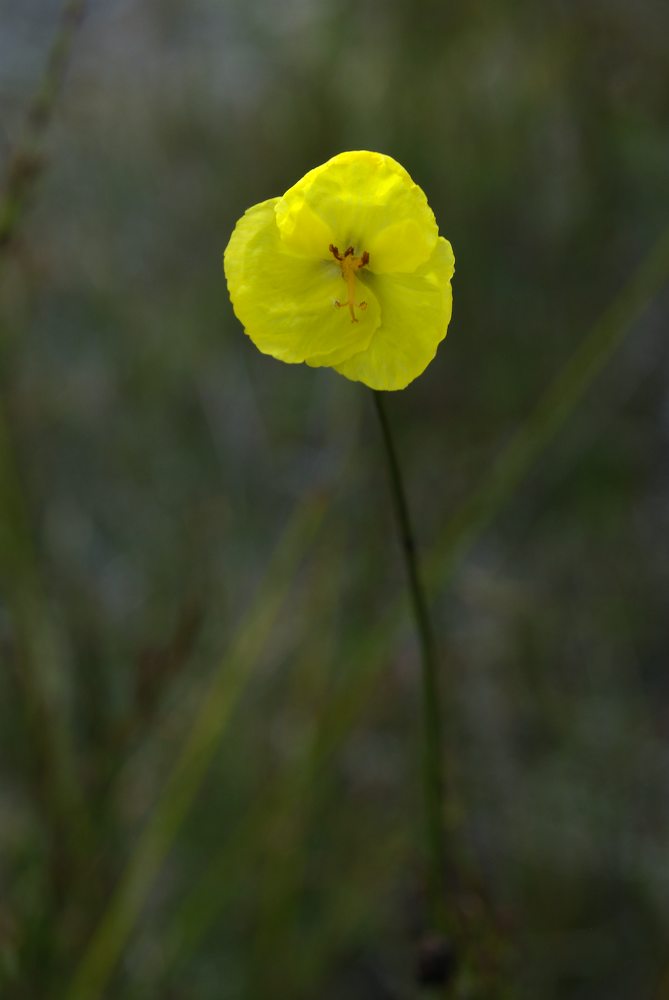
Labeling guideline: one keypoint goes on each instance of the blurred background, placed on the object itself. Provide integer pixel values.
(209, 695)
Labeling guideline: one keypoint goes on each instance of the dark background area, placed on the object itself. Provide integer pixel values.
(185, 522)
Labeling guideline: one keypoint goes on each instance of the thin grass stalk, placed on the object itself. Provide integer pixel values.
(27, 162)
(189, 771)
(40, 667)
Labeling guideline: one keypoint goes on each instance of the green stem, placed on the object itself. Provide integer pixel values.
(433, 778)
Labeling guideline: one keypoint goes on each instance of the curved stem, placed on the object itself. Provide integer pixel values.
(433, 779)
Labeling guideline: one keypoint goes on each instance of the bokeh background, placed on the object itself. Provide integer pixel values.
(209, 695)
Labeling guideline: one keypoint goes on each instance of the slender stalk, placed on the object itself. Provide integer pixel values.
(41, 669)
(189, 771)
(27, 162)
(433, 778)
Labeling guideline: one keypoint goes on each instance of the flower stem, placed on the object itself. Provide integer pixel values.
(433, 779)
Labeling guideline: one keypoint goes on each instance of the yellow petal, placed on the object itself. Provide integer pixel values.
(286, 301)
(364, 200)
(415, 313)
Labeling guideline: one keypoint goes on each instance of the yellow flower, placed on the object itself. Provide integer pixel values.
(347, 270)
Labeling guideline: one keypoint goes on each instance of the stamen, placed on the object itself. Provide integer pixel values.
(349, 264)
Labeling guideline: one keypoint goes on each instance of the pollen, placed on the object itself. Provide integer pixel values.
(349, 265)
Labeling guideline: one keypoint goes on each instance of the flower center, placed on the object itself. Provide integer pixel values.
(349, 264)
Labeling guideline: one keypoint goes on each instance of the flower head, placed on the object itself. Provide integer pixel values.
(347, 270)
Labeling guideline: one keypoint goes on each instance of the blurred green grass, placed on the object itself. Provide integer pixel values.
(154, 458)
